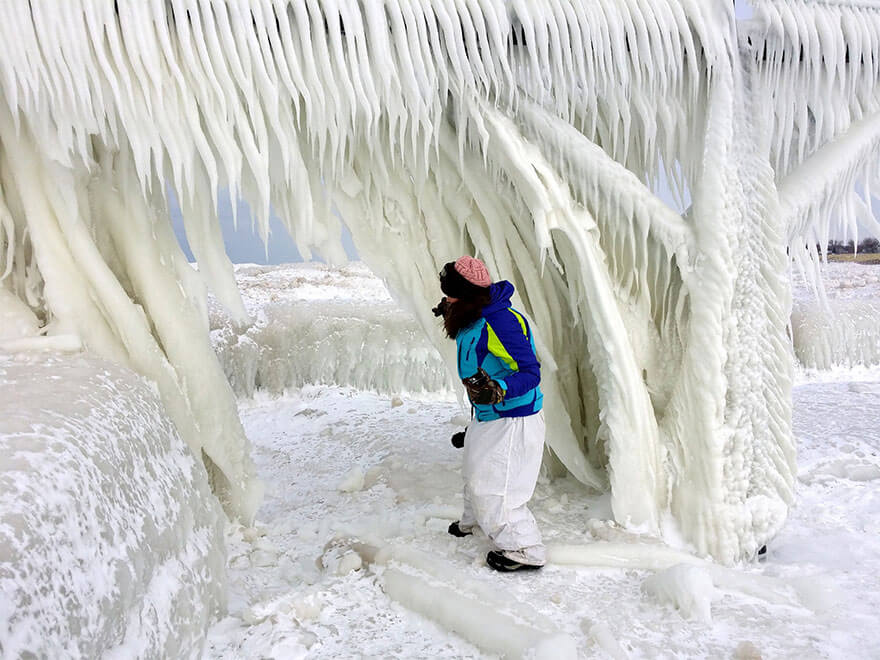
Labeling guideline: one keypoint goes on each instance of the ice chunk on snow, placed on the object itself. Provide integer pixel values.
(485, 615)
(650, 556)
(493, 631)
(605, 639)
(689, 588)
(353, 481)
(110, 539)
(349, 562)
(16, 319)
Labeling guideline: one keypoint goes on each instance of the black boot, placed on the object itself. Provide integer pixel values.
(501, 562)
(455, 530)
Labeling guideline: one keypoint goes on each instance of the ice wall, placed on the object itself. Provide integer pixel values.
(526, 133)
(368, 346)
(843, 333)
(318, 324)
(111, 544)
(837, 325)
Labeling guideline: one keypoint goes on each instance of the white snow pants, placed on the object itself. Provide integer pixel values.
(501, 463)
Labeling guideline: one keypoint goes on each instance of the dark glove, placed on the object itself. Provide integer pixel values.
(442, 307)
(458, 439)
(483, 390)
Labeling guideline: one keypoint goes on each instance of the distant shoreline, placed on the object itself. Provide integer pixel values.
(863, 258)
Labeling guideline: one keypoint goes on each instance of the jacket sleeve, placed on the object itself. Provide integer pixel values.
(515, 348)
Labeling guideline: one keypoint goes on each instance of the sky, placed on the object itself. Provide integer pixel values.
(243, 243)
(743, 9)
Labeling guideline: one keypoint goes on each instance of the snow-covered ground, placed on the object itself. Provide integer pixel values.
(349, 472)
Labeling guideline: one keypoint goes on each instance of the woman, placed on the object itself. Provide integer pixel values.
(504, 443)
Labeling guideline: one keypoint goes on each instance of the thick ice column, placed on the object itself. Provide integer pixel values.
(628, 423)
(729, 418)
(196, 392)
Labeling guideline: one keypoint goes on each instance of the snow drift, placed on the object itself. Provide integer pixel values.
(526, 133)
(110, 540)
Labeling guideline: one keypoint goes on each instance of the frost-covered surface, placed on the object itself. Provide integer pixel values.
(110, 539)
(846, 331)
(316, 324)
(343, 466)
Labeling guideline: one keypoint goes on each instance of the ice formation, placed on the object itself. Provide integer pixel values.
(323, 325)
(497, 623)
(838, 327)
(369, 346)
(527, 133)
(841, 333)
(111, 544)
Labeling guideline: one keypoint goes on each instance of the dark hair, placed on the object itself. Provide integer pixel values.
(463, 312)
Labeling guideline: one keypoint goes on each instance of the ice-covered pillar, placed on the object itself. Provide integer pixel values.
(732, 458)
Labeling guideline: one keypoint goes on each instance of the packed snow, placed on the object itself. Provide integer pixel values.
(350, 556)
(111, 543)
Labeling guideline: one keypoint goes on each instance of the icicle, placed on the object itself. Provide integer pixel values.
(7, 236)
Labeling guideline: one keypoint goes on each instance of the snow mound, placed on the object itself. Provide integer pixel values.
(110, 539)
(689, 588)
(353, 481)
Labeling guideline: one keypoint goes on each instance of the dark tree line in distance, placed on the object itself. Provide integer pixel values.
(866, 246)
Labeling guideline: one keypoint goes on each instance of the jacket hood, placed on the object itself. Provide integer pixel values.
(500, 293)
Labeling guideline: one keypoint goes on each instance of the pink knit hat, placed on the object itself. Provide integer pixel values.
(473, 270)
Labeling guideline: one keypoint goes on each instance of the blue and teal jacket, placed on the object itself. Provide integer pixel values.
(501, 342)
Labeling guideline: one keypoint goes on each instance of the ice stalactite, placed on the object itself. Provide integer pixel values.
(820, 64)
(527, 133)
